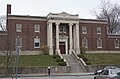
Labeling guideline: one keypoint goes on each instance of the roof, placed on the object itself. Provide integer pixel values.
(45, 18)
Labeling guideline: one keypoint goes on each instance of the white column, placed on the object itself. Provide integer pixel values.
(70, 37)
(74, 37)
(57, 37)
(77, 39)
(49, 38)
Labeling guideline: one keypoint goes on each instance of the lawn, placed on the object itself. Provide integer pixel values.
(32, 60)
(104, 58)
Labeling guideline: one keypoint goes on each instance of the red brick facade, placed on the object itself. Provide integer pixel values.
(28, 34)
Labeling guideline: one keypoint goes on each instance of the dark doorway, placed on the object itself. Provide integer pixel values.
(62, 47)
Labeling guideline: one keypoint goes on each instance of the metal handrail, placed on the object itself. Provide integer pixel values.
(80, 60)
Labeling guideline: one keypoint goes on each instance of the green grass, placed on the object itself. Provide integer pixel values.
(104, 58)
(33, 60)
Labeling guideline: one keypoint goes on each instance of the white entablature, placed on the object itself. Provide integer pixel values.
(62, 15)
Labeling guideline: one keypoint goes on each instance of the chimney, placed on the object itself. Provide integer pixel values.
(8, 9)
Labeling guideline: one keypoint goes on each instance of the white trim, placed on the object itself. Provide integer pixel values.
(99, 42)
(18, 27)
(36, 28)
(24, 18)
(84, 30)
(37, 40)
(99, 29)
(63, 21)
(93, 22)
(116, 43)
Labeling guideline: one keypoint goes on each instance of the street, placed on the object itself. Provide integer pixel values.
(56, 77)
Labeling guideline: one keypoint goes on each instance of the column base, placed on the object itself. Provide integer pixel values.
(77, 51)
(70, 51)
(50, 51)
(57, 51)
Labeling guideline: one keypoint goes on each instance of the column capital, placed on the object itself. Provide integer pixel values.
(49, 22)
(70, 24)
(57, 23)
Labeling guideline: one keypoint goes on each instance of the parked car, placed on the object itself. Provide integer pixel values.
(108, 74)
(118, 76)
(107, 67)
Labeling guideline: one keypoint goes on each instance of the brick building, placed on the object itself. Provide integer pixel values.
(61, 32)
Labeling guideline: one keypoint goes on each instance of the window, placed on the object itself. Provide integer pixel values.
(85, 42)
(98, 30)
(84, 30)
(19, 42)
(36, 42)
(116, 42)
(105, 72)
(37, 28)
(18, 27)
(62, 29)
(99, 43)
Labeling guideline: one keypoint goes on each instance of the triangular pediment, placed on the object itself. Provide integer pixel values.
(62, 15)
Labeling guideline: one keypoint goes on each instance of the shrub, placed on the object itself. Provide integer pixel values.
(80, 55)
(59, 60)
(88, 63)
(45, 49)
(56, 56)
(85, 59)
(83, 49)
(62, 64)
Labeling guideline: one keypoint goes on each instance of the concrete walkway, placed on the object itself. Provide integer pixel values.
(75, 66)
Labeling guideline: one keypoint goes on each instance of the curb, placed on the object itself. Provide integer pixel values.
(46, 75)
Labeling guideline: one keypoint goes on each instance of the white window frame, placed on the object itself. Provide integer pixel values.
(99, 43)
(84, 30)
(18, 27)
(19, 42)
(98, 30)
(85, 42)
(36, 40)
(116, 43)
(37, 28)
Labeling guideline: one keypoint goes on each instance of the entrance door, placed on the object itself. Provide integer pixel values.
(62, 47)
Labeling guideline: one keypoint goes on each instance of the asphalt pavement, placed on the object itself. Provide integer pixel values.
(55, 77)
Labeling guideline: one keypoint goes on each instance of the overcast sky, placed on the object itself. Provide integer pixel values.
(43, 7)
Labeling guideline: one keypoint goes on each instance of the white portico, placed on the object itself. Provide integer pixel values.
(63, 33)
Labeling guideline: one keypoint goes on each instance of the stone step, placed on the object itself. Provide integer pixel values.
(75, 66)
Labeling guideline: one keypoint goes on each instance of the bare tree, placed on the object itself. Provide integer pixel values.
(111, 12)
(3, 23)
(8, 45)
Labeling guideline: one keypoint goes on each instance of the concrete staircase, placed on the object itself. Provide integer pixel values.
(75, 66)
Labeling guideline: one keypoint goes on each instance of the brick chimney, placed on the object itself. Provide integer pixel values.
(8, 9)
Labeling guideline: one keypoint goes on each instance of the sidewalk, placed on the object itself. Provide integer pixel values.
(51, 74)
